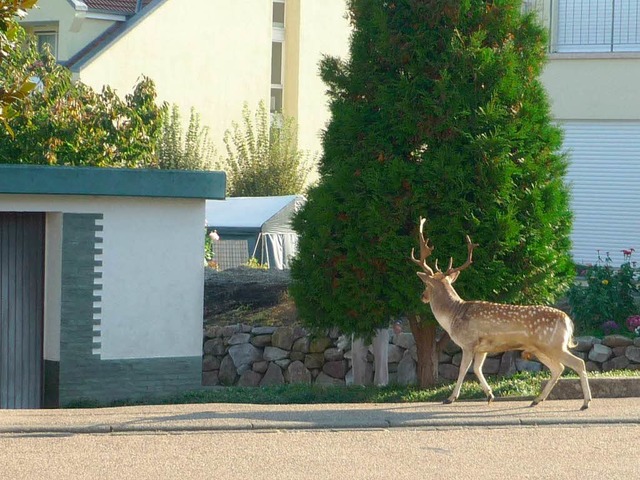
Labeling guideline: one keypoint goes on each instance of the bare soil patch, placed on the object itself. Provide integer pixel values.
(248, 295)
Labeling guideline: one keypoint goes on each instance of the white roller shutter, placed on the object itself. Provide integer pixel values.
(605, 182)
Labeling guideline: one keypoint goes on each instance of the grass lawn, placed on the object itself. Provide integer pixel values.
(520, 385)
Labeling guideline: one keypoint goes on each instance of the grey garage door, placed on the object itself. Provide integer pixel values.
(21, 309)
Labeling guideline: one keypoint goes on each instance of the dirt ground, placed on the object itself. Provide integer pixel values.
(249, 296)
(282, 314)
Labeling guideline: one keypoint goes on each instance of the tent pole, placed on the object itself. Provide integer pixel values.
(253, 255)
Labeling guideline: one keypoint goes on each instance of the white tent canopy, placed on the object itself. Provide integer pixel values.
(264, 222)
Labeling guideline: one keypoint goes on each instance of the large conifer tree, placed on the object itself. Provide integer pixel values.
(438, 112)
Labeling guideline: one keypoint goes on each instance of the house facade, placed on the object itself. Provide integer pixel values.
(269, 50)
(213, 55)
(592, 79)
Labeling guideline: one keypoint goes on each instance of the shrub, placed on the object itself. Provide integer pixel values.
(64, 122)
(606, 296)
(193, 151)
(263, 157)
(253, 262)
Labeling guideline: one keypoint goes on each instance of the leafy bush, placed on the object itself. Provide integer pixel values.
(62, 122)
(263, 157)
(254, 263)
(193, 151)
(18, 85)
(606, 297)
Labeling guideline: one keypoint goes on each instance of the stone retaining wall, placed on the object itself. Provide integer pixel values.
(257, 356)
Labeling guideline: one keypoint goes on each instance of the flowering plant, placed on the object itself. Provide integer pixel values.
(605, 295)
(633, 323)
(610, 327)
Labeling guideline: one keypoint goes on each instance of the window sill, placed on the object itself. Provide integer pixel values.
(594, 55)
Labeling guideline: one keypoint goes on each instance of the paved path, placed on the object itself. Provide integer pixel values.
(245, 417)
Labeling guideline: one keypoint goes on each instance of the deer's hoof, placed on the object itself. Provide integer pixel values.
(534, 403)
(448, 401)
(490, 398)
(584, 407)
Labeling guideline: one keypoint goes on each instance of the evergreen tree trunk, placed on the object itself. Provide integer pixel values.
(427, 352)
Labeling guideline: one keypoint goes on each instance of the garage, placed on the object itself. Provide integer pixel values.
(101, 294)
(21, 309)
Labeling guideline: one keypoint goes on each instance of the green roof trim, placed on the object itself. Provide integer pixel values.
(114, 182)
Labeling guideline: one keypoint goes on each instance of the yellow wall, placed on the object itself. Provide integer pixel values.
(62, 12)
(590, 86)
(199, 53)
(323, 29)
(593, 88)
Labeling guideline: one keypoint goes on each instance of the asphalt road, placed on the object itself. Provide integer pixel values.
(466, 440)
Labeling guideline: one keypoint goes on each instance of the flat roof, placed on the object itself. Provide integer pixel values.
(114, 182)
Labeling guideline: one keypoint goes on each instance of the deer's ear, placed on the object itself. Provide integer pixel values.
(423, 276)
(453, 277)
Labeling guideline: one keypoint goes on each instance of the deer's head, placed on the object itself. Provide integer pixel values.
(436, 280)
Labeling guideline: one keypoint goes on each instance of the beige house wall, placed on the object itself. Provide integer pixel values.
(231, 59)
(589, 86)
(74, 31)
(214, 65)
(313, 29)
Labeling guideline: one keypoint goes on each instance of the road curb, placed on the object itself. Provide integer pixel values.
(275, 426)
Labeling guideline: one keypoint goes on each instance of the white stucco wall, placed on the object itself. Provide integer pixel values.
(152, 296)
(206, 54)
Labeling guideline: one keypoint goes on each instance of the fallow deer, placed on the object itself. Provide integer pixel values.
(480, 328)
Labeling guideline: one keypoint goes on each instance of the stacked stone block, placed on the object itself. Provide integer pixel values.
(258, 356)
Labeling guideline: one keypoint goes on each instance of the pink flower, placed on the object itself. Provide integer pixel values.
(633, 322)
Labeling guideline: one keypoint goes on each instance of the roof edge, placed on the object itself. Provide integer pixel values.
(116, 182)
(128, 25)
(78, 5)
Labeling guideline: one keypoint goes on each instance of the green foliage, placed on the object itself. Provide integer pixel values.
(180, 151)
(19, 84)
(63, 122)
(603, 302)
(208, 247)
(263, 157)
(254, 263)
(521, 384)
(437, 112)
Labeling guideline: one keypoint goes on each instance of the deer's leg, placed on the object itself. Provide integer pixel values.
(465, 363)
(478, 361)
(577, 364)
(556, 369)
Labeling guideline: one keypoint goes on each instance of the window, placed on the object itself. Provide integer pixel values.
(278, 14)
(277, 57)
(47, 39)
(276, 76)
(598, 26)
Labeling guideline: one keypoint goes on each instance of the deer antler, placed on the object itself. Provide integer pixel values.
(425, 250)
(470, 247)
